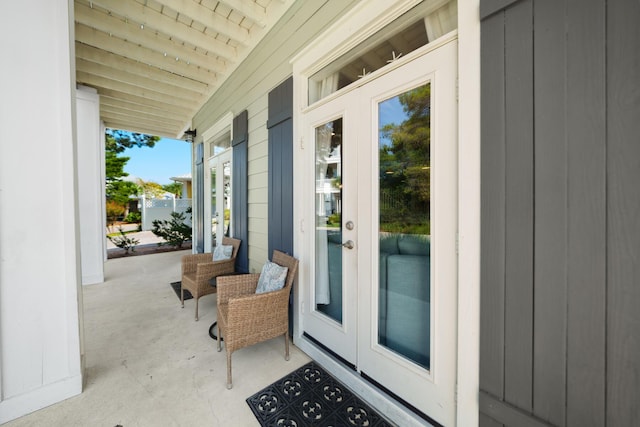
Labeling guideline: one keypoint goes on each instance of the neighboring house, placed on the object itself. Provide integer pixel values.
(185, 180)
(512, 302)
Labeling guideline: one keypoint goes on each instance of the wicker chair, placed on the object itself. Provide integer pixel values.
(246, 318)
(199, 269)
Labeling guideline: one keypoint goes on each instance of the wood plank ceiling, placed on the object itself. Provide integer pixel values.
(156, 62)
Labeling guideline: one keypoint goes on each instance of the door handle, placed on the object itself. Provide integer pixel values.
(348, 244)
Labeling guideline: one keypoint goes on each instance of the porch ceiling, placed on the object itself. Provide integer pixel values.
(156, 62)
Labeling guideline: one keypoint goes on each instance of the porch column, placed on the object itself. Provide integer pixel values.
(40, 295)
(91, 185)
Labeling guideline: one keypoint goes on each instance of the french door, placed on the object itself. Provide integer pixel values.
(220, 190)
(383, 290)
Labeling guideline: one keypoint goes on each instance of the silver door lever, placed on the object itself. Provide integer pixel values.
(348, 244)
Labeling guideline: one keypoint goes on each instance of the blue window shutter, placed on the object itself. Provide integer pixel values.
(280, 126)
(199, 208)
(239, 211)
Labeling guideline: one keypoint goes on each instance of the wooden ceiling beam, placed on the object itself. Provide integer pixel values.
(140, 117)
(251, 10)
(101, 40)
(136, 127)
(141, 120)
(135, 99)
(103, 82)
(153, 20)
(127, 50)
(209, 19)
(147, 83)
(93, 54)
(133, 34)
(124, 105)
(138, 121)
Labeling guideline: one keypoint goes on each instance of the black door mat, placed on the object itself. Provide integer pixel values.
(309, 396)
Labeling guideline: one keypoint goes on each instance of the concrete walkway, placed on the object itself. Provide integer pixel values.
(143, 237)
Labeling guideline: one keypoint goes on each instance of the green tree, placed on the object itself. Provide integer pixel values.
(150, 189)
(120, 191)
(116, 142)
(173, 188)
(405, 168)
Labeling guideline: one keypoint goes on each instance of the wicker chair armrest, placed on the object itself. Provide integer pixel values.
(258, 310)
(207, 270)
(190, 262)
(235, 286)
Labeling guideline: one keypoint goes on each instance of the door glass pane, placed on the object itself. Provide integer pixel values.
(226, 219)
(214, 208)
(404, 219)
(328, 208)
(220, 199)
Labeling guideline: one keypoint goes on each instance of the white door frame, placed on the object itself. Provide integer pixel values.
(219, 128)
(359, 23)
(218, 161)
(356, 339)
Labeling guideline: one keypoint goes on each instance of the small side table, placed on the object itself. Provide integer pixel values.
(214, 283)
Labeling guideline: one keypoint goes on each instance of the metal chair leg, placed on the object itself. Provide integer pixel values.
(286, 346)
(229, 382)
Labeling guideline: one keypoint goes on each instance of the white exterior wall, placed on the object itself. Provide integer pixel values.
(91, 197)
(40, 361)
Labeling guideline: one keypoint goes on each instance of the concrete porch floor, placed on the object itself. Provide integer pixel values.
(149, 363)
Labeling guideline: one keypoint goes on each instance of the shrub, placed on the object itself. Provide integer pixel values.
(334, 220)
(175, 232)
(124, 242)
(133, 217)
(114, 211)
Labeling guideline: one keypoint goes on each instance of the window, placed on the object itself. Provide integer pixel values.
(414, 29)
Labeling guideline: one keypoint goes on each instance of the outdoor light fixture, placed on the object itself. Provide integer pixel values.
(189, 135)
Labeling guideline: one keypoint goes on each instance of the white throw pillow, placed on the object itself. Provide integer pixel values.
(222, 252)
(271, 278)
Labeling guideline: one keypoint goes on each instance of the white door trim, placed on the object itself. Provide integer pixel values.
(468, 212)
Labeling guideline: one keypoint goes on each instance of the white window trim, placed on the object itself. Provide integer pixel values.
(224, 124)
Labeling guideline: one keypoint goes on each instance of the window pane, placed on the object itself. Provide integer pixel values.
(405, 222)
(226, 199)
(414, 29)
(220, 144)
(214, 208)
(328, 208)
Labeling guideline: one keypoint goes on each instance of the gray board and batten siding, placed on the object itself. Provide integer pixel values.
(560, 281)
